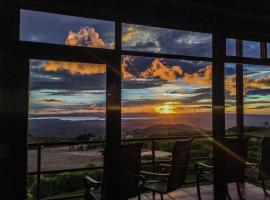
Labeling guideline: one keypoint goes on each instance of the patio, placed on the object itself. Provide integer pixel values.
(249, 191)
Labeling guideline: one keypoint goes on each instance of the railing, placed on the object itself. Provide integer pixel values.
(153, 162)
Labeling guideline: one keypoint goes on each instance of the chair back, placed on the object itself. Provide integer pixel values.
(264, 168)
(235, 157)
(180, 160)
(130, 169)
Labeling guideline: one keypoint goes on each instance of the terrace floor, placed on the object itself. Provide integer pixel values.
(249, 191)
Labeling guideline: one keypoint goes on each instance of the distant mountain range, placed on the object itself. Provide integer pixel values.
(65, 128)
(167, 130)
(147, 126)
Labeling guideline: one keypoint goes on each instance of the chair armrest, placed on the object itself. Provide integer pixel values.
(202, 168)
(91, 183)
(203, 165)
(154, 174)
(252, 166)
(165, 165)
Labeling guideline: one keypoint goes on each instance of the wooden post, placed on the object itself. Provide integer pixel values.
(218, 113)
(239, 90)
(112, 155)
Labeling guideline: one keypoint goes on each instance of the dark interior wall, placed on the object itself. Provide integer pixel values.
(13, 113)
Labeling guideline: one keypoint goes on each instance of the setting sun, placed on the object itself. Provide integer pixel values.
(168, 108)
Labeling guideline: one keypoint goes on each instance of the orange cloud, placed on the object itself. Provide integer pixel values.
(248, 83)
(230, 85)
(157, 69)
(126, 60)
(75, 68)
(131, 33)
(261, 82)
(203, 77)
(86, 36)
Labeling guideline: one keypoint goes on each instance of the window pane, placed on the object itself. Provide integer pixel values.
(230, 47)
(165, 97)
(168, 41)
(230, 97)
(257, 99)
(268, 50)
(62, 29)
(67, 102)
(251, 49)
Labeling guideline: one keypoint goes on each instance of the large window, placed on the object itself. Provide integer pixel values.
(161, 97)
(62, 29)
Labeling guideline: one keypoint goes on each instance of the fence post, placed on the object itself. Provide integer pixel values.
(38, 171)
(153, 154)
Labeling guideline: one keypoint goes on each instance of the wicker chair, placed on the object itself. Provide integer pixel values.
(234, 152)
(171, 181)
(130, 175)
(261, 171)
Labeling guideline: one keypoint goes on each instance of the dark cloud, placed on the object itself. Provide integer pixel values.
(74, 93)
(196, 98)
(140, 84)
(142, 102)
(145, 46)
(259, 92)
(63, 80)
(52, 101)
(202, 90)
(143, 38)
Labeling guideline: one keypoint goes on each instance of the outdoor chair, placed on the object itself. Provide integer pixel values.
(261, 169)
(130, 175)
(234, 154)
(168, 182)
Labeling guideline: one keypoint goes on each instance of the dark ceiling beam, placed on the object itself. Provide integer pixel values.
(190, 15)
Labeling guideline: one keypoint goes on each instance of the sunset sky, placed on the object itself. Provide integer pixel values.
(152, 86)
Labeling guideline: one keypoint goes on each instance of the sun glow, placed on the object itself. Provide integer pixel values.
(168, 108)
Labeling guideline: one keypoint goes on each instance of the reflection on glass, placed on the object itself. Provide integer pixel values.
(230, 97)
(62, 29)
(251, 49)
(165, 97)
(168, 41)
(257, 99)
